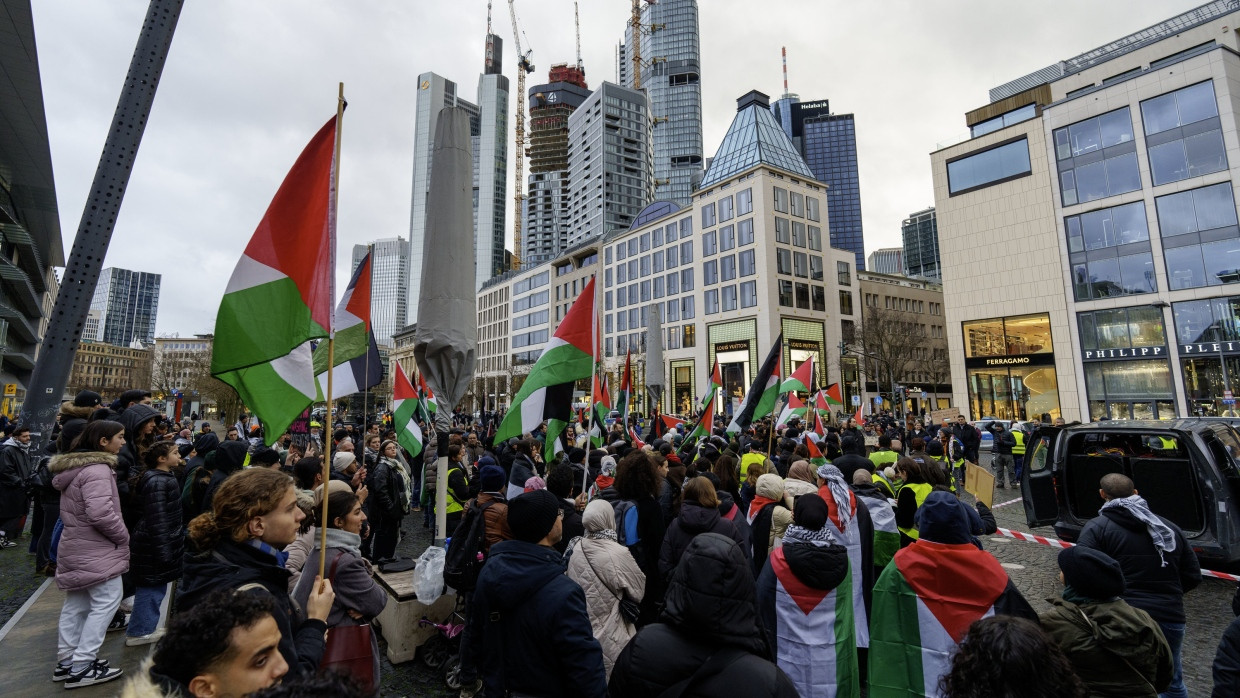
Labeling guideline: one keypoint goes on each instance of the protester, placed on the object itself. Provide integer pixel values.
(699, 514)
(639, 522)
(1159, 566)
(458, 488)
(240, 542)
(1007, 656)
(391, 501)
(16, 467)
(768, 518)
(93, 552)
(708, 641)
(157, 545)
(1226, 667)
(532, 621)
(909, 499)
(560, 483)
(882, 517)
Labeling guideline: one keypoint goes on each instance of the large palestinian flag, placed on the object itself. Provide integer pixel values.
(923, 604)
(760, 400)
(801, 379)
(280, 295)
(406, 411)
(547, 393)
(356, 361)
(815, 642)
(794, 408)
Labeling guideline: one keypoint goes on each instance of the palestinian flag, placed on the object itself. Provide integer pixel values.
(357, 365)
(801, 379)
(827, 666)
(760, 400)
(426, 400)
(405, 412)
(547, 393)
(625, 396)
(794, 408)
(279, 297)
(859, 418)
(670, 422)
(815, 456)
(704, 424)
(833, 395)
(886, 534)
(600, 410)
(922, 605)
(818, 426)
(716, 382)
(637, 442)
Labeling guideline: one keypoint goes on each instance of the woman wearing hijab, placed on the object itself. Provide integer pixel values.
(768, 518)
(802, 470)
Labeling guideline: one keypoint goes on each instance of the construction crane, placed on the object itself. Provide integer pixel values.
(525, 65)
(577, 27)
(635, 24)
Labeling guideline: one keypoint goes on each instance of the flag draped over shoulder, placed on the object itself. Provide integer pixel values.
(357, 365)
(547, 393)
(279, 297)
(760, 400)
(405, 411)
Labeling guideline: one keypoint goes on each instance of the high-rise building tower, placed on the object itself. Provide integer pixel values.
(828, 142)
(488, 126)
(888, 260)
(921, 245)
(127, 303)
(545, 232)
(609, 162)
(389, 286)
(671, 78)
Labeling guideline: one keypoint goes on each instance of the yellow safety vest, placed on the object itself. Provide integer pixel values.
(922, 490)
(1019, 448)
(749, 459)
(881, 459)
(884, 485)
(454, 504)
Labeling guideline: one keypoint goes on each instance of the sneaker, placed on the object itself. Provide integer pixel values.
(119, 622)
(99, 672)
(64, 671)
(6, 543)
(137, 640)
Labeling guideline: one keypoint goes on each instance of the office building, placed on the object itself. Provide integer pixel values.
(1090, 243)
(828, 142)
(488, 127)
(888, 260)
(545, 231)
(671, 78)
(609, 162)
(109, 369)
(389, 286)
(921, 245)
(127, 302)
(30, 242)
(912, 311)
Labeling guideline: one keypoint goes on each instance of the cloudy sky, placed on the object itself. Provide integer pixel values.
(247, 83)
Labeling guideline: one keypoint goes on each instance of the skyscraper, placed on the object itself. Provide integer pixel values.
(921, 245)
(609, 162)
(829, 144)
(127, 303)
(545, 231)
(671, 77)
(488, 126)
(888, 260)
(389, 286)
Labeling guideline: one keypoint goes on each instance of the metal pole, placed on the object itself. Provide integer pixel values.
(331, 358)
(90, 244)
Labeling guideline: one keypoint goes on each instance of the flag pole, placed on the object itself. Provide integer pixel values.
(370, 256)
(585, 474)
(331, 349)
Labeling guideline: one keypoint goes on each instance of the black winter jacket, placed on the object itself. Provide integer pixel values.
(386, 486)
(711, 606)
(572, 527)
(531, 629)
(1004, 442)
(1227, 663)
(233, 565)
(129, 462)
(229, 456)
(16, 466)
(1149, 585)
(729, 510)
(694, 519)
(157, 544)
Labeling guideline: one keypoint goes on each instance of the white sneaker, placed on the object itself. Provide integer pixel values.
(96, 673)
(137, 640)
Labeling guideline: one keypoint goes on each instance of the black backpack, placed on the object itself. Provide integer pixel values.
(462, 564)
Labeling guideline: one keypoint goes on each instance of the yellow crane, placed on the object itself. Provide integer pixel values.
(525, 64)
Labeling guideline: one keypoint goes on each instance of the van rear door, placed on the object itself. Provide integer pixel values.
(1038, 481)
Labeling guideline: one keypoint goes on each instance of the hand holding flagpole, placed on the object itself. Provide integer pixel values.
(331, 348)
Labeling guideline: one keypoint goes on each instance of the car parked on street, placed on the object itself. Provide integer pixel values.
(988, 439)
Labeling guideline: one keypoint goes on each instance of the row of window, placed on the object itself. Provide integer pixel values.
(728, 237)
(725, 298)
(660, 286)
(722, 211)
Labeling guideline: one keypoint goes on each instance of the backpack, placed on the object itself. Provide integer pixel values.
(626, 522)
(463, 561)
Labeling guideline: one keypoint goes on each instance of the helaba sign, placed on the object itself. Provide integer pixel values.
(1210, 348)
(1133, 353)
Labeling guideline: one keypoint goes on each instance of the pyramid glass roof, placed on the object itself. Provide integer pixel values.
(754, 139)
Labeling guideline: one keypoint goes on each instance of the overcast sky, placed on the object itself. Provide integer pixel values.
(247, 83)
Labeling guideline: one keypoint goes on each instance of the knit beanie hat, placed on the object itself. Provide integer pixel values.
(1091, 573)
(492, 478)
(265, 456)
(532, 515)
(810, 513)
(341, 460)
(535, 483)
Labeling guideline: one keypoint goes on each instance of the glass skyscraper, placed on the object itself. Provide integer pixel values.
(545, 232)
(671, 78)
(921, 245)
(127, 303)
(389, 286)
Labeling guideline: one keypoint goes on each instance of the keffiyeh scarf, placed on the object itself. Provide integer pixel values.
(1160, 533)
(799, 534)
(839, 492)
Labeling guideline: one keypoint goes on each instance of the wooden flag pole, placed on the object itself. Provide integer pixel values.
(370, 255)
(331, 359)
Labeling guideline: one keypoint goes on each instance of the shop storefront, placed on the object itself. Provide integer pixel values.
(734, 346)
(1208, 335)
(804, 340)
(1126, 361)
(1011, 368)
(683, 393)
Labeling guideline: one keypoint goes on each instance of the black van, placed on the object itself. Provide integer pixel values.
(1187, 469)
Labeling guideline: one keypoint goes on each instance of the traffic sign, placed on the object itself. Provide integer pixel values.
(856, 400)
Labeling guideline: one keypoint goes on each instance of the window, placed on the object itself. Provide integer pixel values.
(708, 215)
(607, 255)
(673, 309)
(846, 303)
(658, 287)
(657, 240)
(797, 204)
(728, 297)
(748, 267)
(656, 261)
(710, 301)
(622, 273)
(645, 265)
(622, 251)
(1097, 158)
(673, 283)
(798, 233)
(785, 293)
(671, 257)
(1201, 241)
(800, 264)
(607, 276)
(727, 268)
(1023, 334)
(744, 230)
(690, 336)
(608, 350)
(783, 261)
(749, 294)
(632, 267)
(811, 209)
(815, 238)
(815, 268)
(622, 321)
(633, 247)
(727, 238)
(645, 290)
(843, 273)
(710, 273)
(1210, 320)
(803, 296)
(819, 297)
(686, 252)
(782, 230)
(982, 169)
(709, 244)
(744, 202)
(686, 280)
(725, 209)
(1122, 328)
(686, 308)
(644, 242)
(673, 338)
(848, 330)
(607, 302)
(781, 200)
(1004, 120)
(1109, 251)
(686, 227)
(1183, 134)
(622, 296)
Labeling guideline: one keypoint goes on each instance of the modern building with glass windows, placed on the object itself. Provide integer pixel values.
(886, 260)
(921, 245)
(127, 303)
(545, 232)
(671, 78)
(1089, 234)
(389, 286)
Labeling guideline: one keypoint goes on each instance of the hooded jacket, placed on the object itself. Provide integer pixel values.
(1156, 589)
(1117, 650)
(531, 626)
(1226, 667)
(731, 512)
(129, 461)
(694, 519)
(710, 607)
(94, 546)
(16, 467)
(229, 457)
(157, 544)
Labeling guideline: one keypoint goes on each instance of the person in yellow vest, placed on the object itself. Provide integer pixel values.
(909, 498)
(458, 489)
(1018, 451)
(884, 456)
(755, 455)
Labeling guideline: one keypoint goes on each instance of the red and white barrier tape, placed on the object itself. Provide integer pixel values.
(1009, 502)
(1055, 543)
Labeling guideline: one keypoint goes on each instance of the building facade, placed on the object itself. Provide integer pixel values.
(389, 286)
(109, 369)
(1103, 187)
(888, 260)
(610, 162)
(920, 232)
(903, 330)
(127, 302)
(671, 78)
(545, 230)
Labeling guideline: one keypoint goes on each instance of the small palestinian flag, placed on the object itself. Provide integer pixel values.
(815, 455)
(705, 423)
(670, 422)
(833, 394)
(405, 410)
(716, 382)
(801, 379)
(637, 442)
(794, 408)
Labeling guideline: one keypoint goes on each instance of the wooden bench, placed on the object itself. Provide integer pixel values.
(399, 620)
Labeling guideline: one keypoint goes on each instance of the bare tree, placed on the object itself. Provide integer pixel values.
(889, 345)
(939, 369)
